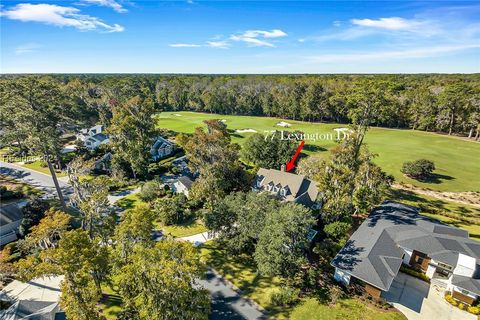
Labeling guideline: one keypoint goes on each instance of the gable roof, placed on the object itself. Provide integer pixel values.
(186, 181)
(300, 189)
(391, 226)
(10, 213)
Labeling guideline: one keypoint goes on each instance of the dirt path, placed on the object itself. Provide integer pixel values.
(467, 198)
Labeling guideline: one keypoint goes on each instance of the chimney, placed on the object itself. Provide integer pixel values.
(282, 168)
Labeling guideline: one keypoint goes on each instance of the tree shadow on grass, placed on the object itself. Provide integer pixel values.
(436, 178)
(313, 148)
(126, 203)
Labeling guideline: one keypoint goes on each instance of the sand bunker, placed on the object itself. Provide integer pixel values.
(245, 130)
(284, 124)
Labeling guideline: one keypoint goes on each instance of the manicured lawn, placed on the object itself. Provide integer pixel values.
(350, 309)
(459, 215)
(241, 272)
(456, 159)
(184, 230)
(129, 202)
(36, 165)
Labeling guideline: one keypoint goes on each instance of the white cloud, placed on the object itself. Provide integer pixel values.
(218, 44)
(58, 16)
(423, 52)
(184, 45)
(251, 37)
(393, 23)
(275, 33)
(107, 3)
(26, 48)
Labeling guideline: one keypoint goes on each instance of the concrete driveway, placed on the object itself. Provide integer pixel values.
(418, 300)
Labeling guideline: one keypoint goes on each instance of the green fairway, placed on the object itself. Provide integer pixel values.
(456, 159)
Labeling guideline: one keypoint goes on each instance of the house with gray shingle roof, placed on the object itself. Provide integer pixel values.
(396, 234)
(287, 186)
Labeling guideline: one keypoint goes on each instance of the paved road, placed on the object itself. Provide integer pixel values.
(36, 179)
(226, 303)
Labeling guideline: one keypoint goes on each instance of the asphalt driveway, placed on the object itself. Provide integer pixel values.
(418, 300)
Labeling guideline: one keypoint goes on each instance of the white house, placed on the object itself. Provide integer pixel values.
(182, 185)
(93, 137)
(396, 234)
(36, 299)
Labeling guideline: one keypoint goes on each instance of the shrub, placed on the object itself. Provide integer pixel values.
(450, 300)
(6, 194)
(286, 296)
(33, 212)
(414, 273)
(337, 229)
(462, 306)
(474, 310)
(418, 169)
(335, 293)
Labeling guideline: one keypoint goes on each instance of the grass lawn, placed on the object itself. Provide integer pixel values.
(459, 215)
(456, 159)
(184, 230)
(350, 309)
(36, 165)
(241, 272)
(110, 303)
(129, 202)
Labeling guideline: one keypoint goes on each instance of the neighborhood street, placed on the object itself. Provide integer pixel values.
(35, 179)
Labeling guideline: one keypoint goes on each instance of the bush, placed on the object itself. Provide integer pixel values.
(418, 169)
(337, 229)
(474, 310)
(6, 194)
(414, 273)
(33, 212)
(286, 296)
(462, 306)
(450, 300)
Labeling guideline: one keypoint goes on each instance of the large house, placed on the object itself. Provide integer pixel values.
(161, 148)
(36, 299)
(10, 218)
(287, 186)
(396, 234)
(93, 137)
(183, 185)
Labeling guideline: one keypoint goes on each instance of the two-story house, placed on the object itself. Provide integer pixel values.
(93, 137)
(396, 234)
(287, 186)
(161, 148)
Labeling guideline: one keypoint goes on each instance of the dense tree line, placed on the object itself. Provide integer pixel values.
(443, 103)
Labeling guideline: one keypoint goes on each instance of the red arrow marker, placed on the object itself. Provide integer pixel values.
(291, 164)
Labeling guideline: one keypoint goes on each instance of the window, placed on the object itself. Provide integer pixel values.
(465, 292)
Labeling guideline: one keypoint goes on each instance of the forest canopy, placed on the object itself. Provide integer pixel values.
(436, 102)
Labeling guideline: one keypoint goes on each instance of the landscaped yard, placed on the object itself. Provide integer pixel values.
(15, 185)
(37, 166)
(456, 159)
(241, 272)
(186, 229)
(129, 202)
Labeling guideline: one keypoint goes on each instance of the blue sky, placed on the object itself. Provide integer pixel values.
(115, 36)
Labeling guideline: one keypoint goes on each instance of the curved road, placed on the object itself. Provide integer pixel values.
(36, 179)
(226, 302)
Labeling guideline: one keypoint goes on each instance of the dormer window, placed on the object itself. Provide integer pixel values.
(284, 191)
(270, 186)
(277, 188)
